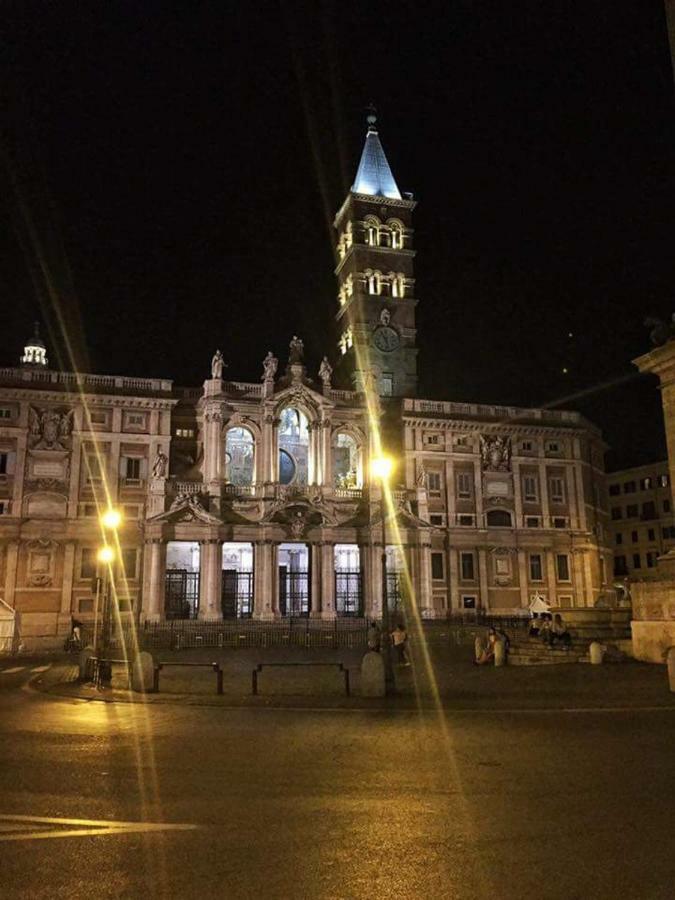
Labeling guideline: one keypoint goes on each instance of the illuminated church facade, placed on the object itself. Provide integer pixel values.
(255, 500)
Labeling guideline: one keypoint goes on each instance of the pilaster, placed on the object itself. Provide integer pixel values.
(265, 580)
(210, 578)
(11, 567)
(328, 610)
(483, 578)
(154, 569)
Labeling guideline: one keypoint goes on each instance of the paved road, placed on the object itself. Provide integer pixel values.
(331, 804)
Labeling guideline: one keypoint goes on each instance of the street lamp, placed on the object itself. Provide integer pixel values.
(110, 520)
(381, 468)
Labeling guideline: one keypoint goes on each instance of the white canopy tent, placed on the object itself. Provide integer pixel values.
(9, 628)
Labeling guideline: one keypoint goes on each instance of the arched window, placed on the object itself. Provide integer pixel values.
(372, 225)
(346, 462)
(398, 285)
(374, 280)
(498, 518)
(396, 235)
(293, 446)
(239, 456)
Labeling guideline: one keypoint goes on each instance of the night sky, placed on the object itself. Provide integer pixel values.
(170, 171)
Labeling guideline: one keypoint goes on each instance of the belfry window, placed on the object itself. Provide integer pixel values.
(293, 446)
(398, 286)
(374, 281)
(372, 226)
(239, 456)
(346, 342)
(346, 462)
(396, 236)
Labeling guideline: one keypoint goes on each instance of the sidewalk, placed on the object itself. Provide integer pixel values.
(451, 681)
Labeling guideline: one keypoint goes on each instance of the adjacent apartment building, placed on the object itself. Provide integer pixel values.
(641, 519)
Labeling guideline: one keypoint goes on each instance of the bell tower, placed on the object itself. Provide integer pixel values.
(376, 285)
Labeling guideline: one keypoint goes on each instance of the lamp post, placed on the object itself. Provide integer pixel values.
(110, 520)
(381, 468)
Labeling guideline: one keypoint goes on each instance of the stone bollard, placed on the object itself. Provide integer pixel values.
(86, 668)
(372, 675)
(142, 672)
(500, 653)
(596, 652)
(671, 668)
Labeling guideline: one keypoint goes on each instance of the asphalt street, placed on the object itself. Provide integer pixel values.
(334, 803)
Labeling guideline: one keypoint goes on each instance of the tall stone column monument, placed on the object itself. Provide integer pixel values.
(653, 624)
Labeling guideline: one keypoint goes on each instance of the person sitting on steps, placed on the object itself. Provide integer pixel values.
(560, 633)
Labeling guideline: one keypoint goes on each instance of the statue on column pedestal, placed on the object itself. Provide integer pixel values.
(270, 364)
(325, 372)
(217, 365)
(160, 465)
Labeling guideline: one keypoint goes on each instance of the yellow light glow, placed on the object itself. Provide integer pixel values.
(111, 518)
(106, 554)
(381, 467)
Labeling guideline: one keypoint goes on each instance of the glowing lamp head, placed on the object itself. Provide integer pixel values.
(381, 467)
(106, 554)
(111, 518)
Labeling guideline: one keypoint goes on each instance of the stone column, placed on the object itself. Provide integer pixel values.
(450, 493)
(483, 578)
(517, 496)
(327, 607)
(67, 582)
(478, 492)
(19, 470)
(543, 487)
(154, 570)
(453, 582)
(265, 578)
(326, 456)
(210, 578)
(551, 581)
(422, 584)
(11, 566)
(578, 577)
(523, 578)
(371, 563)
(572, 504)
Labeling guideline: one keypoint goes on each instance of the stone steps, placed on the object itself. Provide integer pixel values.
(546, 659)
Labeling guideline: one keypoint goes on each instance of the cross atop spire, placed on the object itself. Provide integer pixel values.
(374, 176)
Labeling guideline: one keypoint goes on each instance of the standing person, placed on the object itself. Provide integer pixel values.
(374, 637)
(76, 632)
(400, 637)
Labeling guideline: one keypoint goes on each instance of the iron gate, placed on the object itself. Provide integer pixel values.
(293, 592)
(348, 599)
(181, 594)
(236, 598)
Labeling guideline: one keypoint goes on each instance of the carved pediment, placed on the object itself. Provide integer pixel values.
(187, 508)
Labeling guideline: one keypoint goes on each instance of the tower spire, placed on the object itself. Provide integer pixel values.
(374, 176)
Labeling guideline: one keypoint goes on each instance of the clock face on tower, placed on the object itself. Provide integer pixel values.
(385, 339)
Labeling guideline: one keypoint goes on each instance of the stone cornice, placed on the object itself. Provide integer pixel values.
(486, 425)
(386, 251)
(64, 397)
(377, 200)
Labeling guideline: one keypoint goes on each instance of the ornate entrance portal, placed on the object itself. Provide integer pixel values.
(294, 581)
(181, 581)
(237, 585)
